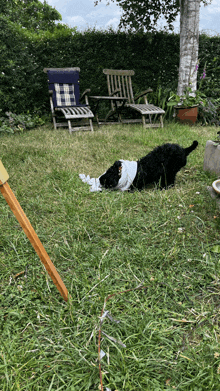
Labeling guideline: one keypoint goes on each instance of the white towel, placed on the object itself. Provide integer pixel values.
(94, 183)
(128, 173)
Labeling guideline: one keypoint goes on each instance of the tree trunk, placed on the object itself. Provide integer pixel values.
(189, 44)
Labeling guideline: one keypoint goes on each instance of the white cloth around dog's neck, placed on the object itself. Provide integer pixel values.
(128, 173)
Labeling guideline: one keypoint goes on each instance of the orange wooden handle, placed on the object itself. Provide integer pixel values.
(32, 236)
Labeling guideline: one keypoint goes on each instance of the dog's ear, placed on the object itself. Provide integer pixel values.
(117, 163)
(112, 175)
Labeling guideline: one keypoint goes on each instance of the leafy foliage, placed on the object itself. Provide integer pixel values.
(145, 14)
(21, 78)
(19, 122)
(153, 56)
(188, 99)
(30, 14)
(23, 85)
(210, 62)
(209, 113)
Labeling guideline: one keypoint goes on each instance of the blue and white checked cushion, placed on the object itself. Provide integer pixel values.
(65, 95)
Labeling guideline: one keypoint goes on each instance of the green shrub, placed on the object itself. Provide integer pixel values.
(154, 58)
(18, 123)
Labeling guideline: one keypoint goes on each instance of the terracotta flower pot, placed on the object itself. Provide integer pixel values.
(186, 115)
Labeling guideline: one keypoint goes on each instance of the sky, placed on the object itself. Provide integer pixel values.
(83, 14)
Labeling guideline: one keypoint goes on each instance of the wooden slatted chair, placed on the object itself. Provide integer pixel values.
(65, 99)
(120, 84)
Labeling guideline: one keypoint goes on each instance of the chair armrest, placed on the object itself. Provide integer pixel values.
(84, 94)
(115, 92)
(143, 93)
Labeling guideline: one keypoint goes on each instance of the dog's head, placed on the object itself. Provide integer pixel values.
(110, 179)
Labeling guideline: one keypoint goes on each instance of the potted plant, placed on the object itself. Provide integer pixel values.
(186, 105)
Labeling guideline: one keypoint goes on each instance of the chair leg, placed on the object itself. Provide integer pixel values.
(91, 125)
(54, 123)
(97, 119)
(143, 121)
(161, 121)
(69, 125)
(53, 113)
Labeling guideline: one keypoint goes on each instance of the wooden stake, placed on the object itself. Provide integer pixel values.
(29, 231)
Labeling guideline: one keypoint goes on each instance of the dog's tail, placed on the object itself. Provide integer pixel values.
(191, 148)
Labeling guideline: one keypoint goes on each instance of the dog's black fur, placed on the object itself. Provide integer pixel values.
(160, 167)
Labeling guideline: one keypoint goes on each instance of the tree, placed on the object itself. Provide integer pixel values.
(189, 45)
(24, 26)
(145, 14)
(30, 14)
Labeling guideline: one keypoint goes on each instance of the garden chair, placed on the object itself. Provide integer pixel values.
(119, 84)
(65, 99)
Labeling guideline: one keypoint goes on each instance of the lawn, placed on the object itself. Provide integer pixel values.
(151, 259)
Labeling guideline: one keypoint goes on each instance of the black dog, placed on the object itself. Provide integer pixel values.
(160, 167)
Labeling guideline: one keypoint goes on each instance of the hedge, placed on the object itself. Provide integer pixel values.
(153, 56)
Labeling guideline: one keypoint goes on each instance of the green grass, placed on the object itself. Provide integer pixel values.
(164, 242)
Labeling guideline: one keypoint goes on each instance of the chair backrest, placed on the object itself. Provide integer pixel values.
(119, 83)
(64, 86)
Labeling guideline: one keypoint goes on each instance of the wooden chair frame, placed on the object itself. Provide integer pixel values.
(120, 84)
